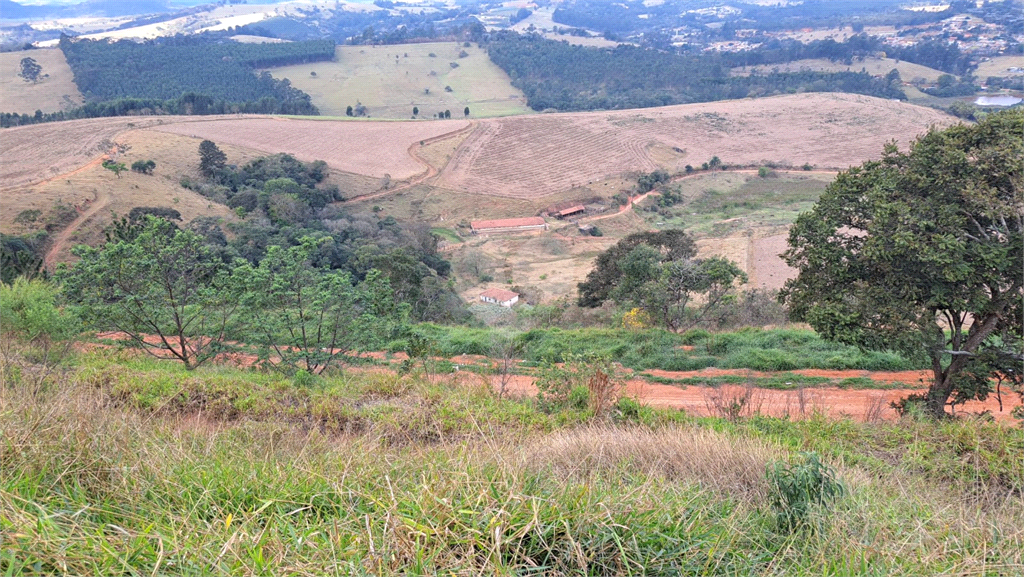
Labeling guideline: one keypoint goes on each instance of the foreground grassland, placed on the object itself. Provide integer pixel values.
(50, 94)
(128, 466)
(390, 87)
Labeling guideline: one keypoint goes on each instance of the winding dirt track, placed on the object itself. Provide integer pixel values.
(61, 241)
(430, 170)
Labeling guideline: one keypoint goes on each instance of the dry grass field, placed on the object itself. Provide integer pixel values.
(56, 92)
(361, 147)
(999, 66)
(533, 156)
(873, 66)
(41, 151)
(390, 87)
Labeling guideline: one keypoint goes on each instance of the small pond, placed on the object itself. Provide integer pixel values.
(1002, 100)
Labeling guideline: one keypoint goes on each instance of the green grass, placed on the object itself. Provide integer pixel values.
(755, 349)
(390, 88)
(447, 234)
(127, 466)
(724, 203)
(783, 382)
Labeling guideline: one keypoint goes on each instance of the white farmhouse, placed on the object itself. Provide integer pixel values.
(499, 297)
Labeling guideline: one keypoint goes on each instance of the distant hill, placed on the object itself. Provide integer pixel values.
(110, 8)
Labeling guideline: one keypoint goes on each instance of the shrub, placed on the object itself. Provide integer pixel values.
(797, 490)
(32, 327)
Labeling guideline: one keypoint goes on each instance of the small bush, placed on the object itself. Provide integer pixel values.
(797, 490)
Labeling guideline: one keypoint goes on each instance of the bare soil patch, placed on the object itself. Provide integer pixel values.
(834, 402)
(532, 156)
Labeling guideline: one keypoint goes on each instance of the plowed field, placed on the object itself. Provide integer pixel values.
(368, 148)
(529, 157)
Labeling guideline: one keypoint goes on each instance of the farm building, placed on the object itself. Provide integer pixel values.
(499, 297)
(508, 225)
(578, 209)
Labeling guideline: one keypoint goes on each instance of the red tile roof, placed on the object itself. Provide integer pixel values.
(507, 222)
(500, 295)
(572, 210)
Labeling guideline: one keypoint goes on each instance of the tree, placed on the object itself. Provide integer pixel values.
(714, 164)
(211, 158)
(115, 167)
(673, 244)
(921, 252)
(465, 111)
(164, 288)
(143, 166)
(415, 110)
(30, 70)
(309, 316)
(348, 111)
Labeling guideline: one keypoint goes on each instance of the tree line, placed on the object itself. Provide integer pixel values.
(558, 75)
(187, 104)
(167, 68)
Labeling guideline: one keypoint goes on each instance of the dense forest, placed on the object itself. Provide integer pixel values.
(565, 77)
(170, 67)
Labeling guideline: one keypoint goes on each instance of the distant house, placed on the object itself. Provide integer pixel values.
(499, 297)
(578, 209)
(508, 225)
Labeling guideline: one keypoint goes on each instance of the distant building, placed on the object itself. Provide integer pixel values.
(499, 297)
(508, 225)
(579, 208)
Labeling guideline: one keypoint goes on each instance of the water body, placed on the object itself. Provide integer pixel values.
(996, 100)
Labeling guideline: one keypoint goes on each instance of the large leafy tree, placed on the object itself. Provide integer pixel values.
(671, 244)
(921, 252)
(656, 273)
(161, 286)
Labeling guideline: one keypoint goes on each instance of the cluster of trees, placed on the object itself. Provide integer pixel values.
(283, 200)
(167, 68)
(173, 295)
(565, 77)
(655, 275)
